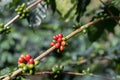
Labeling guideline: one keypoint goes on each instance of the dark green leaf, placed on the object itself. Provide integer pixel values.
(53, 5)
(81, 8)
(14, 2)
(97, 30)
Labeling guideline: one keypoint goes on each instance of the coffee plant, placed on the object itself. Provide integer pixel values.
(59, 40)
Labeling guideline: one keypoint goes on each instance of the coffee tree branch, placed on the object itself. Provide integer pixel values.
(44, 54)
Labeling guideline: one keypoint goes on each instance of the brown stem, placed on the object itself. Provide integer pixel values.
(12, 20)
(69, 73)
(81, 28)
(52, 48)
(13, 74)
(1, 77)
(34, 4)
(67, 37)
(17, 16)
(45, 53)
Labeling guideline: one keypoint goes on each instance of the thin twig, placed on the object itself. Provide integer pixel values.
(45, 53)
(81, 28)
(1, 77)
(13, 74)
(17, 16)
(69, 73)
(12, 20)
(52, 48)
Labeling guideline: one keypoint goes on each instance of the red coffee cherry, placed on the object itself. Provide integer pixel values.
(21, 60)
(63, 43)
(28, 57)
(61, 48)
(60, 35)
(52, 44)
(59, 40)
(23, 56)
(57, 45)
(31, 61)
(55, 37)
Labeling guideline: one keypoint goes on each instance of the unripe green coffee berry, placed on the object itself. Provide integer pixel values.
(20, 9)
(27, 14)
(1, 30)
(24, 11)
(63, 38)
(55, 76)
(54, 41)
(16, 9)
(23, 5)
(31, 72)
(19, 13)
(30, 66)
(1, 25)
(36, 63)
(84, 31)
(23, 15)
(21, 65)
(25, 68)
(58, 72)
(58, 50)
(61, 67)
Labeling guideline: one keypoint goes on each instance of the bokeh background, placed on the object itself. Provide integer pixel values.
(102, 55)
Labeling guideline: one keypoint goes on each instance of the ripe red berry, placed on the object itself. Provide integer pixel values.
(28, 57)
(21, 60)
(59, 40)
(57, 45)
(63, 43)
(55, 37)
(31, 61)
(52, 44)
(61, 48)
(60, 35)
(23, 56)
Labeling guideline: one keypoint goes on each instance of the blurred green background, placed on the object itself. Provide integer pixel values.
(102, 55)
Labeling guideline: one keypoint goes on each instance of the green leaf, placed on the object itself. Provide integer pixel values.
(81, 8)
(95, 31)
(53, 5)
(14, 2)
(4, 71)
(66, 8)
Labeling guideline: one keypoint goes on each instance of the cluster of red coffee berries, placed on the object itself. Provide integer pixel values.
(59, 42)
(27, 63)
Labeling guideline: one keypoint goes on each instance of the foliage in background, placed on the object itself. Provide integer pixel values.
(102, 53)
